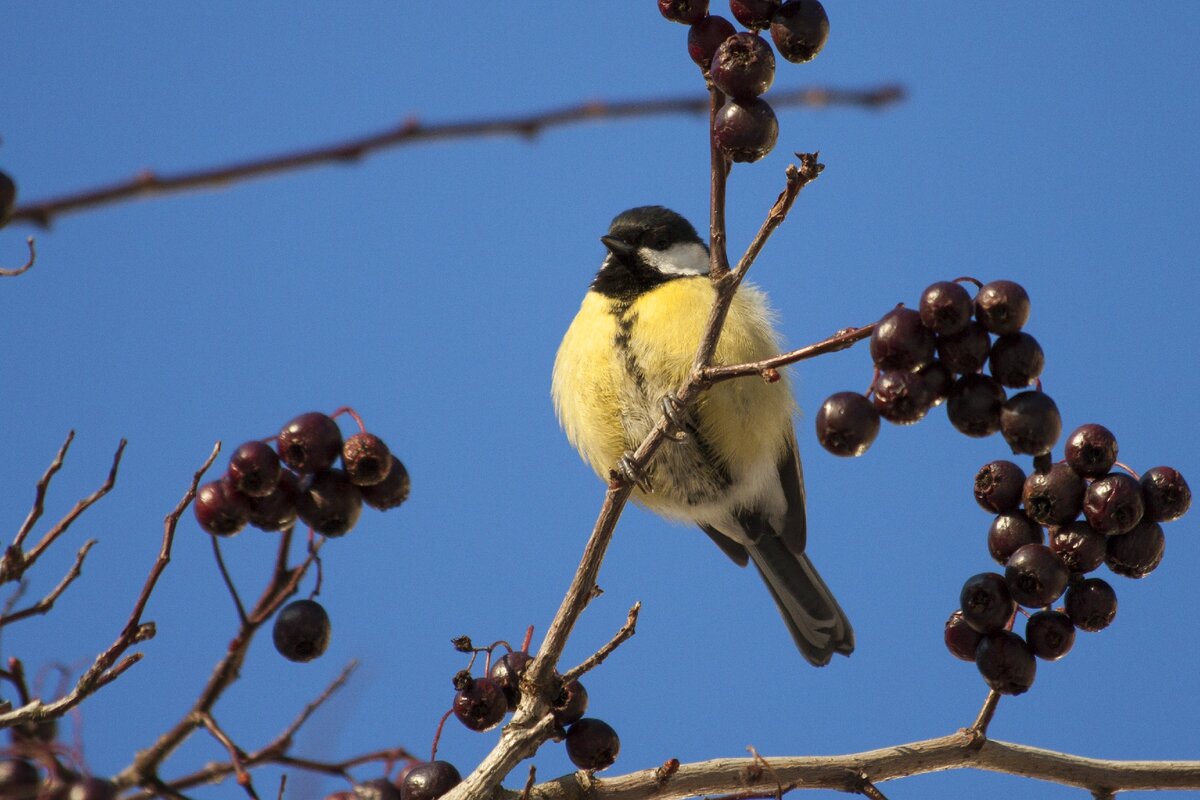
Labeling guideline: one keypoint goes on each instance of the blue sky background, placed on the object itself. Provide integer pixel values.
(428, 287)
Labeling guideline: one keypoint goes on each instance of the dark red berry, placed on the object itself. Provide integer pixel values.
(800, 29)
(1079, 547)
(376, 789)
(1009, 533)
(277, 510)
(986, 602)
(1054, 497)
(1113, 504)
(1035, 577)
(1091, 604)
(91, 789)
(1016, 360)
(301, 631)
(1006, 662)
(965, 351)
(686, 12)
(480, 704)
(366, 459)
(329, 502)
(1137, 553)
(429, 780)
(391, 491)
(938, 379)
(1050, 634)
(1166, 494)
(998, 486)
(507, 671)
(310, 443)
(961, 639)
(571, 703)
(220, 509)
(1002, 307)
(592, 744)
(254, 469)
(8, 198)
(746, 130)
(847, 424)
(19, 779)
(1091, 450)
(945, 308)
(1030, 423)
(743, 66)
(706, 36)
(902, 397)
(754, 14)
(975, 404)
(900, 341)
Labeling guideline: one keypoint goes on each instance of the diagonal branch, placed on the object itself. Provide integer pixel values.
(83, 505)
(413, 131)
(46, 603)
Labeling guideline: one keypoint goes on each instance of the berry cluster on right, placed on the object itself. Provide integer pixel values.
(937, 353)
(1052, 528)
(742, 65)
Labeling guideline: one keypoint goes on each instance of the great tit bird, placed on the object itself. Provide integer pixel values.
(735, 470)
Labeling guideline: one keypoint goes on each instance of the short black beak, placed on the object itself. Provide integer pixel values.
(619, 248)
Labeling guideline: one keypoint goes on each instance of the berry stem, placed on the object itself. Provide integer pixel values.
(237, 601)
(352, 414)
(979, 728)
(968, 279)
(528, 638)
(1128, 469)
(437, 736)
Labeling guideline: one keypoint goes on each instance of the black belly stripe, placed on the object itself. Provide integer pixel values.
(622, 339)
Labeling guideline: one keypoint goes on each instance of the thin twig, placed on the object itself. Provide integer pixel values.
(12, 273)
(83, 505)
(237, 600)
(47, 602)
(235, 753)
(627, 630)
(839, 341)
(412, 131)
(39, 497)
(718, 256)
(978, 729)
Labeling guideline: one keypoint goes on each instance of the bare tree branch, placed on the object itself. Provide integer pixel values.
(47, 602)
(12, 273)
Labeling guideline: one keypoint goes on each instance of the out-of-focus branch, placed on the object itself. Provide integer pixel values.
(413, 131)
(12, 273)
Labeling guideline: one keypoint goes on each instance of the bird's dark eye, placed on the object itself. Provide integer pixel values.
(656, 240)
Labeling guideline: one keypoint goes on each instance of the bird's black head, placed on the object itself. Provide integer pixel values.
(648, 246)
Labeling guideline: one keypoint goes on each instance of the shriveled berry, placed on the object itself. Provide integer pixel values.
(975, 404)
(1166, 494)
(480, 704)
(1137, 553)
(685, 12)
(754, 14)
(1050, 634)
(592, 744)
(1113, 504)
(1010, 532)
(91, 789)
(507, 670)
(366, 459)
(1016, 360)
(19, 779)
(998, 486)
(254, 469)
(277, 510)
(8, 198)
(966, 350)
(1030, 423)
(945, 307)
(571, 703)
(220, 509)
(800, 29)
(1091, 604)
(1035, 577)
(746, 130)
(1006, 662)
(310, 443)
(986, 602)
(847, 424)
(961, 639)
(391, 491)
(902, 397)
(429, 780)
(706, 36)
(900, 342)
(301, 631)
(1078, 546)
(1054, 497)
(743, 66)
(329, 502)
(938, 379)
(1091, 450)
(1002, 307)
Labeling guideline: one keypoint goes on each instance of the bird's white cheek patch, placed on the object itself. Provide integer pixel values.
(686, 258)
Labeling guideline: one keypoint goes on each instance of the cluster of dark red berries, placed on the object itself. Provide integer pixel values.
(1093, 516)
(742, 65)
(937, 353)
(21, 779)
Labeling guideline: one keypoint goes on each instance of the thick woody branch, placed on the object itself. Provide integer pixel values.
(413, 131)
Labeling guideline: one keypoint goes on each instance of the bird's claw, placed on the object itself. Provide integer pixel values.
(629, 470)
(679, 427)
